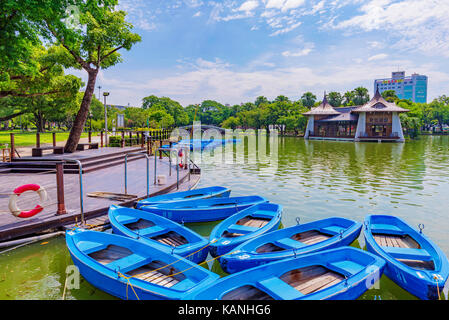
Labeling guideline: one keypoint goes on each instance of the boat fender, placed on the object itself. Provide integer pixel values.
(14, 209)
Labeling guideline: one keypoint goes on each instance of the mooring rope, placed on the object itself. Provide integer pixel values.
(127, 278)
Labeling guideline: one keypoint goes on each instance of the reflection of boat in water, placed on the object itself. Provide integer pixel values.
(199, 144)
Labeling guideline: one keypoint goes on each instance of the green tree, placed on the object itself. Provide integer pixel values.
(361, 96)
(261, 100)
(308, 99)
(335, 99)
(390, 95)
(231, 123)
(93, 46)
(348, 98)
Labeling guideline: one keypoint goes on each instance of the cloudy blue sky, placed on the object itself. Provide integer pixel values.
(235, 50)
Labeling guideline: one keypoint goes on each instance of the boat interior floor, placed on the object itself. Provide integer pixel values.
(310, 237)
(157, 272)
(171, 238)
(253, 222)
(140, 224)
(110, 253)
(404, 241)
(247, 292)
(269, 247)
(249, 221)
(311, 279)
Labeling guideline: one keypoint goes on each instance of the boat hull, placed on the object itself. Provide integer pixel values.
(196, 194)
(248, 257)
(204, 210)
(114, 275)
(358, 271)
(221, 244)
(195, 249)
(426, 284)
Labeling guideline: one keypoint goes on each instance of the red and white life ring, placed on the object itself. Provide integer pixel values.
(18, 191)
(180, 154)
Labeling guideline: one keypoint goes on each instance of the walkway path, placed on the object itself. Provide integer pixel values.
(105, 180)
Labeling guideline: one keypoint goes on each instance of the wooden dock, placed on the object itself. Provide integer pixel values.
(107, 179)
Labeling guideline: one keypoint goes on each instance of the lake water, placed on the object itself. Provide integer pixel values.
(311, 179)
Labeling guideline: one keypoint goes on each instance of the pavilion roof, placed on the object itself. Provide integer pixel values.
(324, 109)
(379, 104)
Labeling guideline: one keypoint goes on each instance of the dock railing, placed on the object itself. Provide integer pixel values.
(80, 168)
(170, 150)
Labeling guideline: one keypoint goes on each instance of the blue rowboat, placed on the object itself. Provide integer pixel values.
(244, 226)
(414, 262)
(131, 269)
(203, 193)
(203, 210)
(293, 241)
(159, 232)
(343, 273)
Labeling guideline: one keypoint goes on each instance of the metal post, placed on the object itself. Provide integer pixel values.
(126, 174)
(105, 94)
(60, 188)
(80, 166)
(148, 170)
(155, 169)
(123, 139)
(38, 140)
(90, 136)
(101, 135)
(177, 173)
(11, 153)
(54, 139)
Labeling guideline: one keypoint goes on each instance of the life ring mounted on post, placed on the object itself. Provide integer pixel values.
(18, 191)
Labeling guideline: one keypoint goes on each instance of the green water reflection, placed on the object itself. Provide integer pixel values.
(311, 179)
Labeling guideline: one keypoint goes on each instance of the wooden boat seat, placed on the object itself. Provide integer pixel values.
(235, 228)
(152, 231)
(332, 230)
(385, 228)
(289, 243)
(126, 263)
(90, 246)
(347, 267)
(280, 289)
(408, 253)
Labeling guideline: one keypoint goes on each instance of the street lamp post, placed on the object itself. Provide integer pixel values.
(105, 94)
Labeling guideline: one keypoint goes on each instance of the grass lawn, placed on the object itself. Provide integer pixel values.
(29, 139)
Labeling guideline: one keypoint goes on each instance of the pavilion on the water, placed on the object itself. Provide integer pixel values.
(377, 120)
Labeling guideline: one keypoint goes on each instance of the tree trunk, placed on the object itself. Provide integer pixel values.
(83, 113)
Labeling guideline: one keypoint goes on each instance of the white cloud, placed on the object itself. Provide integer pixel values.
(418, 25)
(380, 56)
(198, 14)
(249, 5)
(291, 4)
(308, 48)
(286, 29)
